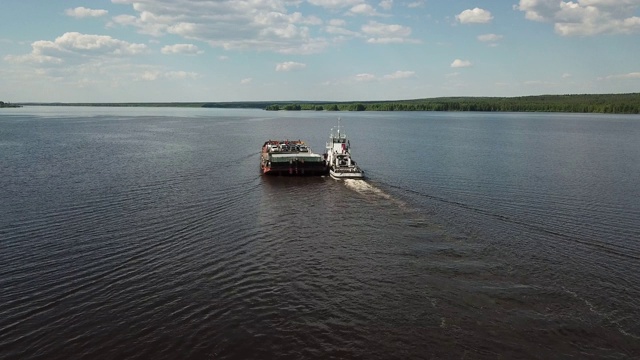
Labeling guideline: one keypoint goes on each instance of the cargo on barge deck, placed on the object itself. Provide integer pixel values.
(290, 158)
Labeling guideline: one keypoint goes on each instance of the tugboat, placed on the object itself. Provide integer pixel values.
(294, 158)
(338, 156)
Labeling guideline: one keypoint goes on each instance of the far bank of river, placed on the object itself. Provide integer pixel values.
(588, 103)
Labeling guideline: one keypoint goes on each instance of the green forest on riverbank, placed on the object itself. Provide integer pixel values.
(586, 103)
(8, 105)
(605, 103)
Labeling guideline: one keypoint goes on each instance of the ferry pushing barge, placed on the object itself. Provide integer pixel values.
(293, 158)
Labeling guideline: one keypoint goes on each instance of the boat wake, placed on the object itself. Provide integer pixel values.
(364, 188)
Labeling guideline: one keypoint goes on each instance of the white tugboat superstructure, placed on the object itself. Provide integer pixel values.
(339, 161)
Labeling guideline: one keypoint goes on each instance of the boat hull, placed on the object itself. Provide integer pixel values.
(341, 175)
(295, 170)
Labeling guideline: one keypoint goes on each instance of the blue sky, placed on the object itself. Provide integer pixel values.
(334, 50)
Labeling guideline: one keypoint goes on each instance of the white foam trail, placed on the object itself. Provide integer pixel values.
(363, 187)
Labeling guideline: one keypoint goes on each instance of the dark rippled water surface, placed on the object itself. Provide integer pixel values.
(149, 233)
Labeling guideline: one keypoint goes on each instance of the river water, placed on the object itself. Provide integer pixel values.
(149, 233)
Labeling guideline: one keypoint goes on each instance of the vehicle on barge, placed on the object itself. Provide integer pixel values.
(338, 156)
(290, 158)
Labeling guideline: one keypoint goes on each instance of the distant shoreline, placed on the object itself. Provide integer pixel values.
(584, 103)
(8, 105)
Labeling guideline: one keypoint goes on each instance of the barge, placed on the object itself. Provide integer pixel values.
(290, 158)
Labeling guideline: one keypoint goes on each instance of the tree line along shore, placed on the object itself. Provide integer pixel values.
(586, 103)
(8, 105)
(610, 104)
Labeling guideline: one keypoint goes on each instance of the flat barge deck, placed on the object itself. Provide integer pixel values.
(291, 158)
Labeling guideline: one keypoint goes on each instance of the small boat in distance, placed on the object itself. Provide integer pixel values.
(292, 158)
(338, 155)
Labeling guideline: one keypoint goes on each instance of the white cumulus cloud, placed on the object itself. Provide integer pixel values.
(386, 4)
(363, 9)
(364, 77)
(379, 33)
(584, 17)
(399, 75)
(78, 47)
(270, 25)
(335, 4)
(490, 38)
(385, 30)
(628, 76)
(289, 66)
(458, 63)
(180, 75)
(188, 49)
(33, 58)
(474, 16)
(83, 12)
(416, 4)
(149, 75)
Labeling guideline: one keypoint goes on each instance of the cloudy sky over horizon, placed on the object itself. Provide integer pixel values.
(342, 50)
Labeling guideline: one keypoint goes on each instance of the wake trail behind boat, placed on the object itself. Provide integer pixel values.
(364, 188)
